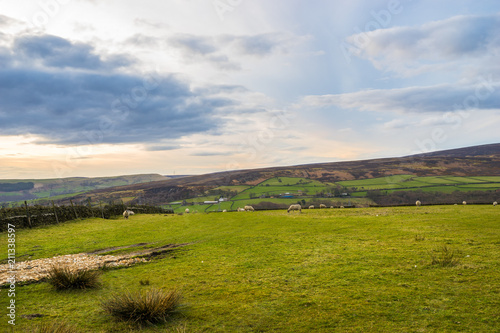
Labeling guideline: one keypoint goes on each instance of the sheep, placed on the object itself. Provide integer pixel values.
(464, 202)
(341, 206)
(249, 208)
(418, 203)
(295, 207)
(322, 206)
(240, 209)
(186, 210)
(224, 211)
(127, 213)
(331, 206)
(495, 203)
(311, 207)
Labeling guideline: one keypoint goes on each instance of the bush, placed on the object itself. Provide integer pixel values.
(55, 328)
(148, 307)
(63, 278)
(444, 257)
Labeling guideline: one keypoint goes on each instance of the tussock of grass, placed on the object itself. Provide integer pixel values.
(445, 257)
(148, 307)
(64, 278)
(55, 327)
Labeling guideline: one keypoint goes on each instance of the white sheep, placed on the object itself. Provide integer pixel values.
(295, 207)
(341, 206)
(127, 213)
(249, 208)
(311, 207)
(495, 203)
(464, 202)
(240, 209)
(331, 206)
(186, 210)
(418, 203)
(322, 206)
(224, 211)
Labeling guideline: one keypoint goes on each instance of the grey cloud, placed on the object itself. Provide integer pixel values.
(7, 21)
(69, 106)
(212, 153)
(259, 45)
(485, 94)
(53, 51)
(162, 148)
(460, 37)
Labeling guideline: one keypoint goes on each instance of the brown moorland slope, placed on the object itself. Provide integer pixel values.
(481, 160)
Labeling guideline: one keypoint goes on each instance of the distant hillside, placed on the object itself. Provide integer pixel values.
(470, 161)
(56, 189)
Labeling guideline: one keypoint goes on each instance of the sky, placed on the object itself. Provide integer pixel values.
(112, 87)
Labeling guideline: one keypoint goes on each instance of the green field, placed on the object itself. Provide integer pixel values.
(331, 270)
(446, 184)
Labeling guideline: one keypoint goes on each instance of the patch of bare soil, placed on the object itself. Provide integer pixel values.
(32, 271)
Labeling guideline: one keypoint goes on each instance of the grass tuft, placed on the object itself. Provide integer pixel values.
(444, 257)
(55, 327)
(64, 278)
(148, 307)
(419, 237)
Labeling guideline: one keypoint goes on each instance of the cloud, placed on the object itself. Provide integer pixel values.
(6, 21)
(53, 51)
(65, 105)
(261, 45)
(484, 94)
(220, 50)
(411, 50)
(162, 148)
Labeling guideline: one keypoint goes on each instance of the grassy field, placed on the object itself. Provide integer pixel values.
(445, 184)
(333, 270)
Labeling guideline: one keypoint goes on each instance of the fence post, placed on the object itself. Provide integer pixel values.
(27, 213)
(102, 210)
(74, 210)
(55, 211)
(90, 206)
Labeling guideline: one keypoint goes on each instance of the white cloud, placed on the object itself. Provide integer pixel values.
(459, 42)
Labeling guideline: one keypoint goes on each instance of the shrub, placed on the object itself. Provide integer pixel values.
(148, 307)
(444, 257)
(55, 328)
(63, 278)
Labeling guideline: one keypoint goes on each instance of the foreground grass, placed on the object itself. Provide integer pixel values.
(340, 270)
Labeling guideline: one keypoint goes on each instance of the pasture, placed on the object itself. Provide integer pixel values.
(330, 270)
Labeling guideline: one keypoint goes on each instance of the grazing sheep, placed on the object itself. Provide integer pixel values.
(240, 209)
(331, 206)
(341, 206)
(495, 203)
(464, 202)
(224, 211)
(249, 208)
(418, 203)
(322, 206)
(127, 213)
(186, 210)
(311, 207)
(295, 207)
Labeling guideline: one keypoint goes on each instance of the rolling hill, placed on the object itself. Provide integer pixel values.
(57, 189)
(464, 162)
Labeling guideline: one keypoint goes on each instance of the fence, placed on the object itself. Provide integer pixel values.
(35, 216)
